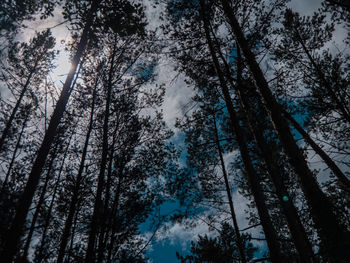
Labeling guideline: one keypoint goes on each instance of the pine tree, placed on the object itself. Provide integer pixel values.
(324, 216)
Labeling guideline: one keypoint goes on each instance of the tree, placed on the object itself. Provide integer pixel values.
(26, 70)
(219, 249)
(325, 98)
(88, 17)
(324, 216)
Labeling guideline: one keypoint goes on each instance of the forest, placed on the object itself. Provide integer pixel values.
(124, 121)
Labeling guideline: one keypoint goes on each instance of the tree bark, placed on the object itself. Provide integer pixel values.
(334, 236)
(16, 229)
(106, 214)
(70, 250)
(112, 219)
(295, 226)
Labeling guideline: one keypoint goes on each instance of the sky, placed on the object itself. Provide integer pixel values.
(177, 237)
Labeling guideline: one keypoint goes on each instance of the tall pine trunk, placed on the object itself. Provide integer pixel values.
(96, 216)
(15, 109)
(74, 227)
(112, 225)
(335, 237)
(14, 154)
(343, 180)
(295, 226)
(39, 206)
(252, 177)
(16, 229)
(106, 214)
(74, 200)
(48, 217)
(238, 237)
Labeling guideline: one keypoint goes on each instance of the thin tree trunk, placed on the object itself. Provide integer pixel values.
(238, 237)
(16, 229)
(48, 217)
(107, 213)
(103, 235)
(72, 236)
(73, 203)
(112, 218)
(335, 237)
(13, 158)
(39, 205)
(15, 109)
(253, 180)
(343, 180)
(345, 111)
(296, 228)
(96, 216)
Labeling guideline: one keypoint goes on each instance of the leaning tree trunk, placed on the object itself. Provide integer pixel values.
(295, 226)
(108, 213)
(15, 109)
(335, 237)
(38, 207)
(343, 180)
(341, 106)
(74, 226)
(253, 180)
(238, 237)
(16, 229)
(14, 154)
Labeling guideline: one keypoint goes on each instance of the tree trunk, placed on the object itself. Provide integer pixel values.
(72, 236)
(73, 203)
(15, 109)
(38, 207)
(96, 216)
(112, 219)
(239, 241)
(13, 158)
(296, 228)
(16, 230)
(335, 237)
(48, 217)
(106, 214)
(343, 109)
(253, 180)
(343, 180)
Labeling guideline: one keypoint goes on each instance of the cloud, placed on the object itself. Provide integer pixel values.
(177, 94)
